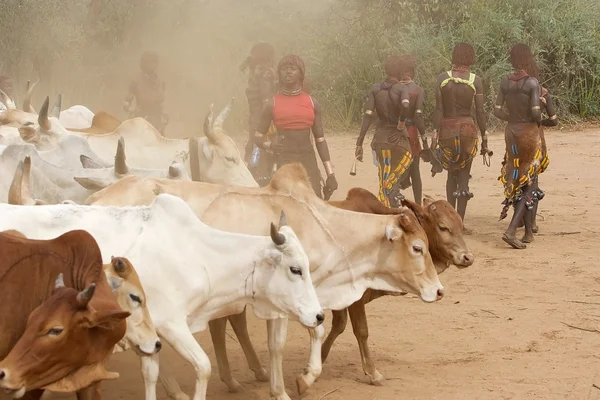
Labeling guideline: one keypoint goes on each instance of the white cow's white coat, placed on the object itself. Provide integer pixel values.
(191, 273)
(76, 117)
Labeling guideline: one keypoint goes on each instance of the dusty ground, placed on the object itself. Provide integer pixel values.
(500, 331)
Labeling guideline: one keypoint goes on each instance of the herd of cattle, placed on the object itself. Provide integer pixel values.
(99, 257)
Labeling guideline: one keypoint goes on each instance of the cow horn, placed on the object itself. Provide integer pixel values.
(19, 191)
(84, 297)
(118, 264)
(282, 219)
(56, 109)
(277, 237)
(59, 282)
(27, 99)
(208, 122)
(43, 116)
(120, 159)
(223, 115)
(174, 172)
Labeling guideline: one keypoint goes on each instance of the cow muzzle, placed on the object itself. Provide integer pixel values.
(464, 259)
(149, 350)
(15, 389)
(312, 320)
(432, 293)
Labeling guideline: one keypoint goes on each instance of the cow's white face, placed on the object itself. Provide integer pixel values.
(220, 162)
(285, 279)
(124, 281)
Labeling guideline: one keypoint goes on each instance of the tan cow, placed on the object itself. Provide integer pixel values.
(349, 252)
(447, 246)
(102, 123)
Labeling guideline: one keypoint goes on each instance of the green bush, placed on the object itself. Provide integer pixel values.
(89, 53)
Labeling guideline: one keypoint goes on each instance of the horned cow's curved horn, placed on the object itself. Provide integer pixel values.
(208, 122)
(56, 109)
(282, 219)
(19, 192)
(223, 114)
(43, 116)
(84, 297)
(59, 282)
(27, 99)
(121, 167)
(277, 237)
(119, 264)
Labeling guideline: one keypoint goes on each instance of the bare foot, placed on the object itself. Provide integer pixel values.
(514, 242)
(535, 228)
(527, 238)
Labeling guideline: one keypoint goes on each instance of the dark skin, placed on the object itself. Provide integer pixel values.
(456, 100)
(415, 113)
(548, 108)
(290, 78)
(523, 107)
(385, 106)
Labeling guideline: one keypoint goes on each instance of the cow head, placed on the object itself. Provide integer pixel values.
(62, 336)
(284, 278)
(405, 257)
(216, 158)
(47, 133)
(126, 285)
(444, 230)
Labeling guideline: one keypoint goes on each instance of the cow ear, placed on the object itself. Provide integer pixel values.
(91, 183)
(428, 200)
(393, 232)
(414, 207)
(115, 282)
(89, 163)
(28, 133)
(109, 319)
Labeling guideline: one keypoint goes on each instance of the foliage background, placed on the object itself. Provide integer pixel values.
(89, 49)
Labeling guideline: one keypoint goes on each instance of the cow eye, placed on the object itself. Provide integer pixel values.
(418, 249)
(296, 271)
(230, 159)
(444, 229)
(55, 331)
(135, 298)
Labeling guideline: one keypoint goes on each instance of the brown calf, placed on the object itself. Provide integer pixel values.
(443, 227)
(59, 317)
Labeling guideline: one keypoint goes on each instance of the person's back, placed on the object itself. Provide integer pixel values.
(458, 92)
(518, 90)
(148, 90)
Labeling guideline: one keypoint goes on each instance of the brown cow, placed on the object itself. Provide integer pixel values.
(444, 229)
(43, 319)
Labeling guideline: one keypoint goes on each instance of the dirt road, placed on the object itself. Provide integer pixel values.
(497, 334)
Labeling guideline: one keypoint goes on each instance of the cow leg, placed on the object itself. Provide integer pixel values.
(240, 328)
(358, 318)
(313, 370)
(340, 320)
(218, 329)
(34, 395)
(91, 392)
(169, 382)
(46, 395)
(277, 334)
(178, 335)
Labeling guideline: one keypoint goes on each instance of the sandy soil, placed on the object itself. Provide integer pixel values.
(500, 331)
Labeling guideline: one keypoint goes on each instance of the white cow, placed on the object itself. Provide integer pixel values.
(51, 184)
(76, 117)
(73, 117)
(191, 273)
